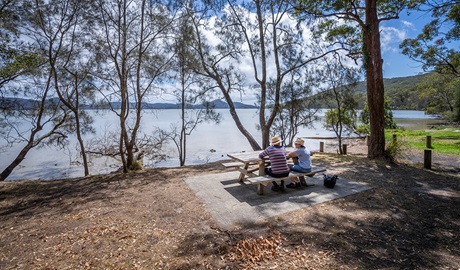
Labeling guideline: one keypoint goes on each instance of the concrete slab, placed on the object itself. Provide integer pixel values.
(231, 202)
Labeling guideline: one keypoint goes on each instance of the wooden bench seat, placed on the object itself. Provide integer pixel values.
(265, 180)
(233, 164)
(236, 164)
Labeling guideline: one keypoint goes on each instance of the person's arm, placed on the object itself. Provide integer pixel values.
(263, 154)
(292, 154)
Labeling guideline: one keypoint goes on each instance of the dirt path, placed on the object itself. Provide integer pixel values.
(152, 220)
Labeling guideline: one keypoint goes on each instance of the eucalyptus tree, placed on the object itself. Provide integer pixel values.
(47, 30)
(131, 42)
(339, 80)
(256, 38)
(192, 92)
(297, 107)
(61, 31)
(355, 25)
(16, 59)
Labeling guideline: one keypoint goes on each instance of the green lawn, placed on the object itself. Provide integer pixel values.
(446, 141)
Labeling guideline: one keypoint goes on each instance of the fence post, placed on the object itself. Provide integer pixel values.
(394, 137)
(427, 159)
(321, 147)
(344, 148)
(428, 141)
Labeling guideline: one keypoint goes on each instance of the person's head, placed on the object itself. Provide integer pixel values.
(276, 140)
(299, 143)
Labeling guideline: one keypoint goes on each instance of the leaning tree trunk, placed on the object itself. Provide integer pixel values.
(374, 78)
(19, 158)
(82, 144)
(255, 146)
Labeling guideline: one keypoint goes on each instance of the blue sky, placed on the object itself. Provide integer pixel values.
(393, 32)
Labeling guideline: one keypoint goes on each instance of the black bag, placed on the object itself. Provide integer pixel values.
(330, 180)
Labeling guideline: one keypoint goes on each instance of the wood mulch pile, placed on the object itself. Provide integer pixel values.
(410, 219)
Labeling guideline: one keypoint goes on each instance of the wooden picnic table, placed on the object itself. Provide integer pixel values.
(249, 162)
(247, 159)
(251, 158)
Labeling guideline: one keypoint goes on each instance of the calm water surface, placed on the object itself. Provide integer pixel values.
(209, 142)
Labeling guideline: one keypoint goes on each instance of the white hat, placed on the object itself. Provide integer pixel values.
(276, 140)
(299, 141)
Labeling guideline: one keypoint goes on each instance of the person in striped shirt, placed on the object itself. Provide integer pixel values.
(278, 164)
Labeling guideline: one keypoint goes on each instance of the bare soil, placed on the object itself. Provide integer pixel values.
(410, 219)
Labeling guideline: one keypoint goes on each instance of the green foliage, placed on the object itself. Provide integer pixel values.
(15, 64)
(433, 47)
(345, 119)
(135, 166)
(456, 116)
(431, 92)
(394, 149)
(402, 93)
(295, 109)
(389, 123)
(443, 141)
(441, 92)
(341, 117)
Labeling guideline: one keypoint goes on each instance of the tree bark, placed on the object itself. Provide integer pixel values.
(82, 144)
(374, 78)
(254, 145)
(20, 157)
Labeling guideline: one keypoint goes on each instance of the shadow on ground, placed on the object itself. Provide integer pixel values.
(409, 220)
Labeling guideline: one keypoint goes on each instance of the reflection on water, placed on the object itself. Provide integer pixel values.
(417, 124)
(415, 120)
(209, 142)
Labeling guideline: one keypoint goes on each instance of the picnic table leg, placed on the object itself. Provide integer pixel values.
(261, 167)
(245, 167)
(260, 189)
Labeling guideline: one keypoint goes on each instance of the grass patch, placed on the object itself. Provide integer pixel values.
(446, 141)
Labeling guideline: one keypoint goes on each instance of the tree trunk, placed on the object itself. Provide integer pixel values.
(266, 137)
(183, 135)
(124, 142)
(255, 146)
(82, 144)
(20, 157)
(374, 78)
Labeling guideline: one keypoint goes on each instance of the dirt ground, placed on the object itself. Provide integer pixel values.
(410, 219)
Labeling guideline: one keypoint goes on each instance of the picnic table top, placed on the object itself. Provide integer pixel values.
(245, 157)
(251, 156)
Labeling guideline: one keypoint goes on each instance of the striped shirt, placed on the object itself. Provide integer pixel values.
(277, 156)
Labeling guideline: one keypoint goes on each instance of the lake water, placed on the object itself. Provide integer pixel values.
(209, 142)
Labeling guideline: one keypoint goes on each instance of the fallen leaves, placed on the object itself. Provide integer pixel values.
(256, 249)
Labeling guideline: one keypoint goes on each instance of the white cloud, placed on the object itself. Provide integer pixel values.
(408, 24)
(391, 37)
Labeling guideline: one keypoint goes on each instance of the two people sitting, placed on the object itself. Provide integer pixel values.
(278, 162)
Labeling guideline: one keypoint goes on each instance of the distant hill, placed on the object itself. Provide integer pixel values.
(217, 104)
(401, 92)
(393, 83)
(26, 104)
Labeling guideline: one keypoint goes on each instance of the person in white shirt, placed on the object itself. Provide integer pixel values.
(302, 154)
